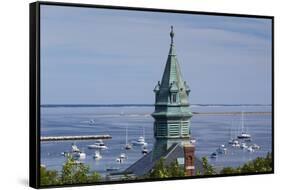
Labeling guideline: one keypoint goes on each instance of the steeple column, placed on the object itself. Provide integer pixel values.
(172, 113)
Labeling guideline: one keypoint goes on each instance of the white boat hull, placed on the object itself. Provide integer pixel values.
(80, 156)
(97, 147)
(135, 143)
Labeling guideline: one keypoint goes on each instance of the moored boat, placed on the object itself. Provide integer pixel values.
(98, 145)
(97, 155)
(213, 155)
(123, 156)
(79, 155)
(192, 140)
(127, 145)
(243, 135)
(222, 149)
(92, 122)
(140, 141)
(119, 160)
(235, 143)
(243, 146)
(255, 146)
(76, 153)
(250, 149)
(144, 150)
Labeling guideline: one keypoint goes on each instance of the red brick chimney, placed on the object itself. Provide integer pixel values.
(189, 159)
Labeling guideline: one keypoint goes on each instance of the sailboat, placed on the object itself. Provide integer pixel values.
(141, 140)
(123, 156)
(127, 146)
(233, 141)
(222, 149)
(76, 153)
(97, 155)
(243, 135)
(144, 150)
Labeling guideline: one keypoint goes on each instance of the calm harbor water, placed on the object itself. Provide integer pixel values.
(210, 131)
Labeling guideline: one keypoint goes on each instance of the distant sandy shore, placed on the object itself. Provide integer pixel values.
(232, 113)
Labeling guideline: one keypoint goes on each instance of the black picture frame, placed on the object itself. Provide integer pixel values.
(34, 89)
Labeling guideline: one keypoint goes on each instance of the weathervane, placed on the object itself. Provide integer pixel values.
(172, 35)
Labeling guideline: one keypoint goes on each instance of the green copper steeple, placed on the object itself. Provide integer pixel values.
(172, 114)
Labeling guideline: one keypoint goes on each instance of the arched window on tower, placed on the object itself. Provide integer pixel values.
(174, 92)
(174, 98)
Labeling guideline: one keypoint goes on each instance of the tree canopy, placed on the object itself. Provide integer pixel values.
(72, 173)
(161, 170)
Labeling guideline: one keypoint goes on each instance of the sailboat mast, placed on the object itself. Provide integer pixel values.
(126, 135)
(230, 130)
(242, 117)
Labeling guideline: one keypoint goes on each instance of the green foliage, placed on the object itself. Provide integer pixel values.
(72, 173)
(48, 177)
(162, 171)
(128, 177)
(159, 170)
(94, 177)
(256, 166)
(207, 168)
(174, 170)
(229, 170)
(198, 172)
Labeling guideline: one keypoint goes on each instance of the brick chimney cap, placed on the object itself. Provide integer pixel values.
(188, 145)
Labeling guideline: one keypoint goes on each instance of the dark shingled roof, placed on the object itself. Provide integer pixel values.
(146, 163)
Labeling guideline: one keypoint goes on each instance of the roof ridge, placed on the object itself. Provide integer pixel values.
(171, 149)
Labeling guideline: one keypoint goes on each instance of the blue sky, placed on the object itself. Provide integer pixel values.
(100, 56)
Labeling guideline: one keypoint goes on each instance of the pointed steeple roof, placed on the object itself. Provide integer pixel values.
(172, 79)
(172, 112)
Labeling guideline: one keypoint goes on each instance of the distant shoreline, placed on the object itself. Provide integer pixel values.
(231, 113)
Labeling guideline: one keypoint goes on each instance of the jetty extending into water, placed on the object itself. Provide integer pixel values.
(82, 137)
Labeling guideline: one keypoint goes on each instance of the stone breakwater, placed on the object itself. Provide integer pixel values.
(83, 137)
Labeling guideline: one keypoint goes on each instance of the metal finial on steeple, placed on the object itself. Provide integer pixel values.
(172, 35)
